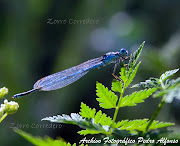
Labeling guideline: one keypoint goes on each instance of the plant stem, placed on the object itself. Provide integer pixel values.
(115, 115)
(118, 105)
(155, 114)
(157, 110)
(3, 117)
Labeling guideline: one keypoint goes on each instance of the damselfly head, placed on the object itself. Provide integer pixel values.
(124, 52)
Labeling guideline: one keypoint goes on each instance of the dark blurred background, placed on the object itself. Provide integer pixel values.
(38, 38)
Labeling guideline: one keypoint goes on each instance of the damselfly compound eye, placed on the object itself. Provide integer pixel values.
(124, 52)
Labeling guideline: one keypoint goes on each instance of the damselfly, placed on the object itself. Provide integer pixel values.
(68, 76)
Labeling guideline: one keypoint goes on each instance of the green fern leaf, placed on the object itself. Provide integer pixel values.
(157, 124)
(102, 119)
(173, 83)
(101, 125)
(117, 86)
(88, 131)
(107, 99)
(140, 125)
(167, 74)
(120, 123)
(160, 93)
(133, 125)
(136, 97)
(134, 58)
(47, 141)
(173, 93)
(123, 74)
(150, 83)
(132, 75)
(172, 90)
(105, 120)
(87, 112)
(98, 116)
(129, 75)
(73, 119)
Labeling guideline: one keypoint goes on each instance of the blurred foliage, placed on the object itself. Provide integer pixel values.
(47, 141)
(30, 48)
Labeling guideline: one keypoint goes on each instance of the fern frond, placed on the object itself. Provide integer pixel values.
(86, 111)
(136, 97)
(47, 141)
(73, 119)
(140, 125)
(171, 91)
(120, 123)
(117, 86)
(132, 74)
(98, 118)
(135, 56)
(123, 74)
(167, 74)
(99, 124)
(150, 83)
(88, 131)
(102, 119)
(157, 124)
(107, 99)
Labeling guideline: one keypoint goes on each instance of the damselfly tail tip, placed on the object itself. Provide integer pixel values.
(14, 97)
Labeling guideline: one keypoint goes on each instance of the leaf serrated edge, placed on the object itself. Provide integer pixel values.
(136, 97)
(86, 111)
(117, 86)
(135, 56)
(168, 74)
(132, 74)
(140, 124)
(108, 99)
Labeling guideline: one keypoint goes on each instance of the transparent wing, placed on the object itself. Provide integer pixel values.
(64, 82)
(66, 77)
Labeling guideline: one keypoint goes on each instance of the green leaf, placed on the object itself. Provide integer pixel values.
(132, 75)
(136, 97)
(123, 74)
(173, 82)
(150, 83)
(87, 112)
(98, 116)
(140, 125)
(38, 141)
(157, 124)
(76, 119)
(117, 86)
(88, 131)
(171, 91)
(127, 75)
(160, 93)
(103, 119)
(120, 123)
(134, 125)
(134, 58)
(131, 72)
(107, 99)
(167, 74)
